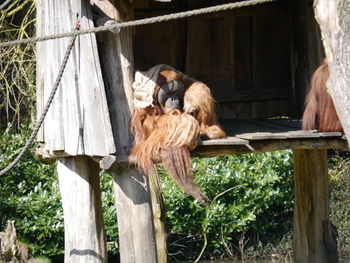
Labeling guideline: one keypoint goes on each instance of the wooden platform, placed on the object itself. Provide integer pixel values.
(256, 136)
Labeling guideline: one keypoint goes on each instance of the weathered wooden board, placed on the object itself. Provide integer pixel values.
(78, 121)
(286, 135)
(264, 9)
(218, 50)
(161, 43)
(84, 238)
(234, 127)
(307, 50)
(261, 136)
(134, 209)
(260, 146)
(314, 237)
(225, 141)
(158, 208)
(333, 18)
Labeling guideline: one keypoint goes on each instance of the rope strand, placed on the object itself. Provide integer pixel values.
(47, 106)
(113, 27)
(140, 22)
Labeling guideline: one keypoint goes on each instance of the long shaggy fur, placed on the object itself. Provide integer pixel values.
(168, 136)
(199, 102)
(319, 111)
(176, 162)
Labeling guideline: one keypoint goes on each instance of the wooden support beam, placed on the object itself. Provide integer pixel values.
(260, 146)
(81, 198)
(333, 18)
(134, 210)
(158, 217)
(314, 238)
(135, 225)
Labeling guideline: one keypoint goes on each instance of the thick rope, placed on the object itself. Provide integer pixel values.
(73, 36)
(47, 106)
(140, 22)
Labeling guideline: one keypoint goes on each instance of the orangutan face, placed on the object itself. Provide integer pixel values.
(170, 95)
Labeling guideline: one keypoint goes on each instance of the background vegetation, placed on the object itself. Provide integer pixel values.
(251, 203)
(250, 214)
(252, 195)
(17, 64)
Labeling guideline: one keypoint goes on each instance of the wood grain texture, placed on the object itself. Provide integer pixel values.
(314, 238)
(158, 209)
(134, 210)
(82, 208)
(135, 222)
(333, 18)
(260, 146)
(78, 122)
(307, 50)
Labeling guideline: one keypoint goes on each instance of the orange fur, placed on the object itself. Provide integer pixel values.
(168, 136)
(174, 129)
(319, 111)
(176, 161)
(199, 102)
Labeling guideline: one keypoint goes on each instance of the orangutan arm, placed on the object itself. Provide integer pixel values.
(199, 102)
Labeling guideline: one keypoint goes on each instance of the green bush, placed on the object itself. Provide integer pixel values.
(340, 199)
(250, 194)
(250, 211)
(30, 196)
(252, 197)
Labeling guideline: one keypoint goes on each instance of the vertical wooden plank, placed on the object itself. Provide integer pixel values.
(169, 38)
(81, 198)
(135, 224)
(308, 48)
(333, 18)
(243, 53)
(78, 120)
(210, 52)
(271, 63)
(271, 52)
(158, 217)
(314, 238)
(241, 72)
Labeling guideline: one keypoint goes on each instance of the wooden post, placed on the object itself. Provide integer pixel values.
(81, 198)
(314, 237)
(158, 217)
(333, 18)
(136, 231)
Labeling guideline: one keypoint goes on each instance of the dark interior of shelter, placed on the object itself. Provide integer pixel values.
(257, 60)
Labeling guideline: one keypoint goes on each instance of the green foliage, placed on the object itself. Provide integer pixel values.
(340, 198)
(109, 213)
(17, 67)
(30, 196)
(250, 211)
(251, 194)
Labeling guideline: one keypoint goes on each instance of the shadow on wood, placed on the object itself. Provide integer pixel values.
(314, 237)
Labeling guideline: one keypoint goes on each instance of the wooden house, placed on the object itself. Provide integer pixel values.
(257, 60)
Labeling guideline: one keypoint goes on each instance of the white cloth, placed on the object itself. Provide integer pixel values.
(144, 85)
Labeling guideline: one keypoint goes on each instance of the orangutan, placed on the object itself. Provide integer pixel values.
(168, 125)
(320, 113)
